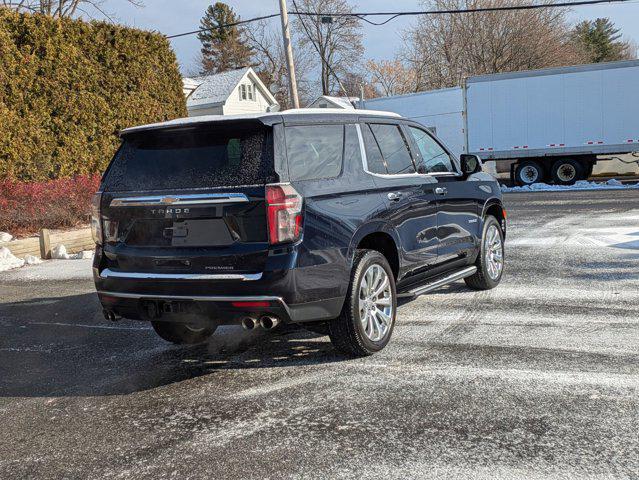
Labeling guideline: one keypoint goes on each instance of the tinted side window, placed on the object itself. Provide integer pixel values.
(374, 158)
(432, 156)
(394, 148)
(314, 151)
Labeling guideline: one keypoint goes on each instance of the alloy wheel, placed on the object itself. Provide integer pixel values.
(375, 303)
(494, 251)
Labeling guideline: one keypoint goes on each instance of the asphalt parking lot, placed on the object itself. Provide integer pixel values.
(538, 378)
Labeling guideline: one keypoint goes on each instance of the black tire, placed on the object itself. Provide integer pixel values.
(482, 279)
(182, 334)
(528, 172)
(567, 171)
(346, 332)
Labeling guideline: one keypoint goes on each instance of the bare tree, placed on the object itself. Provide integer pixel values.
(356, 83)
(336, 41)
(269, 61)
(442, 50)
(63, 8)
(391, 77)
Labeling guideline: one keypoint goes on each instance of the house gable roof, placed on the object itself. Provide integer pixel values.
(215, 89)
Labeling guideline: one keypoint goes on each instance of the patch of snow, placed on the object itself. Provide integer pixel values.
(614, 182)
(8, 261)
(59, 252)
(581, 185)
(32, 260)
(5, 237)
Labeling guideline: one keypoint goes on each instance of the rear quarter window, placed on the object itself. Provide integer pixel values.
(212, 156)
(314, 151)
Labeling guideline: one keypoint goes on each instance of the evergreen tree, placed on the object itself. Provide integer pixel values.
(222, 48)
(600, 41)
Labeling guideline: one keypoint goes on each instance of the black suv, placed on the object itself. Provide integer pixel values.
(317, 217)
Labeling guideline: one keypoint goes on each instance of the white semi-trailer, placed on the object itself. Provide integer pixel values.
(554, 123)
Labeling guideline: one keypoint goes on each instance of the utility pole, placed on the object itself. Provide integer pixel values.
(292, 82)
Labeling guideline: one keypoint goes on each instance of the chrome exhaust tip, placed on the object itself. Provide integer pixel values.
(249, 323)
(268, 322)
(111, 315)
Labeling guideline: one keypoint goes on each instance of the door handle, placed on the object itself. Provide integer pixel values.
(394, 196)
(440, 191)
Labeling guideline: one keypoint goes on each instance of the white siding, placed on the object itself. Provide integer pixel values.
(234, 105)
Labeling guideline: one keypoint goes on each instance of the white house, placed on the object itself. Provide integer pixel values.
(227, 93)
(327, 101)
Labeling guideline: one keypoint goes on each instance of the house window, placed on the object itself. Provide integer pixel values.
(249, 88)
(242, 92)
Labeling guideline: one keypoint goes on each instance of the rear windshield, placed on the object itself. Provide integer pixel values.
(212, 156)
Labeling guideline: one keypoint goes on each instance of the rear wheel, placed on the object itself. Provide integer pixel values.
(567, 171)
(528, 172)
(181, 333)
(368, 316)
(490, 262)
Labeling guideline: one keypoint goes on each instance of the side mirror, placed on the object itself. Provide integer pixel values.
(469, 164)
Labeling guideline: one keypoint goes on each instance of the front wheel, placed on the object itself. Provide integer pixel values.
(490, 262)
(181, 333)
(367, 319)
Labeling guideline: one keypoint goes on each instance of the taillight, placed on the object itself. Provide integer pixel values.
(284, 213)
(96, 224)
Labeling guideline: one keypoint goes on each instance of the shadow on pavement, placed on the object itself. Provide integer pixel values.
(64, 347)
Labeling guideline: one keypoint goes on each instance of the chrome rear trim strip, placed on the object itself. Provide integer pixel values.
(244, 277)
(193, 199)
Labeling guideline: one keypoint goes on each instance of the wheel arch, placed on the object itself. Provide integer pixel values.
(377, 237)
(495, 208)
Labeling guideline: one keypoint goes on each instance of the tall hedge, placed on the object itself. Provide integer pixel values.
(67, 87)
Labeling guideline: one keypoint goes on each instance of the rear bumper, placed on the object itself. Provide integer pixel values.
(225, 309)
(293, 295)
(295, 290)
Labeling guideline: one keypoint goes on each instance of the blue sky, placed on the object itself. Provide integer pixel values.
(175, 16)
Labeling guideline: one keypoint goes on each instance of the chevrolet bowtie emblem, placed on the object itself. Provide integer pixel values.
(170, 200)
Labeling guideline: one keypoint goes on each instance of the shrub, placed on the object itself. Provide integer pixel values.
(27, 207)
(67, 87)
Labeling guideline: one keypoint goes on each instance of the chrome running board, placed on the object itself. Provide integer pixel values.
(434, 285)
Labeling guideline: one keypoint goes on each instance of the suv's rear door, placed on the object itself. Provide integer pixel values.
(189, 200)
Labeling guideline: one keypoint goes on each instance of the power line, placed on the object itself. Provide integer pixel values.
(393, 15)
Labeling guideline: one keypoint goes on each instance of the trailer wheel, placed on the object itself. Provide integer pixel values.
(529, 172)
(567, 171)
